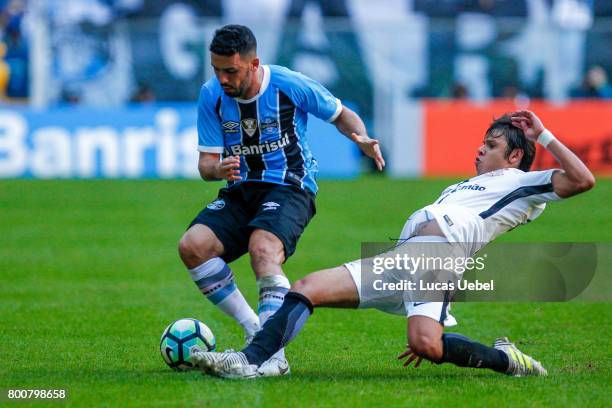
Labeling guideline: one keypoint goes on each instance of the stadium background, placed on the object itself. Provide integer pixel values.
(107, 89)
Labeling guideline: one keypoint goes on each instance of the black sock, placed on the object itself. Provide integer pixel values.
(464, 352)
(279, 329)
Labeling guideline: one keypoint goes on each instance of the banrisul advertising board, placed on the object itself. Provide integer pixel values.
(90, 143)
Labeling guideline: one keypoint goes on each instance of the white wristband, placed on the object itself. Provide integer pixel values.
(546, 137)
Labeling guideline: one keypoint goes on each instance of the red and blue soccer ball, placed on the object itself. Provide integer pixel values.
(178, 339)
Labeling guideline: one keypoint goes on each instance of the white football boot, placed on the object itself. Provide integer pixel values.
(229, 364)
(520, 364)
(275, 366)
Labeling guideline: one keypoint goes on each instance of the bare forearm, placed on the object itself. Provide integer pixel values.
(351, 126)
(208, 171)
(208, 166)
(349, 122)
(576, 177)
(574, 168)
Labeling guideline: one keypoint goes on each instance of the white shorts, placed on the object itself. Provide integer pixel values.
(396, 302)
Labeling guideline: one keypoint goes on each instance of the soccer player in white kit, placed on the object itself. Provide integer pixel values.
(503, 195)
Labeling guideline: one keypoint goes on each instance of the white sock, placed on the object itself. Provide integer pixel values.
(272, 291)
(215, 280)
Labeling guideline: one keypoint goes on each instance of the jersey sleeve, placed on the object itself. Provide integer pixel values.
(539, 184)
(210, 136)
(311, 96)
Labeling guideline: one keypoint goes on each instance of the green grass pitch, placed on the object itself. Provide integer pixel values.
(90, 277)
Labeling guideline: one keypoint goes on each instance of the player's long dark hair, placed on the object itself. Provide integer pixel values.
(515, 138)
(232, 39)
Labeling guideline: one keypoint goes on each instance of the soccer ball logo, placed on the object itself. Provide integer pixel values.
(180, 337)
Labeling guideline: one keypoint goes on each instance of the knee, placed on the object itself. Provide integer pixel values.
(300, 286)
(194, 253)
(264, 252)
(426, 346)
(304, 287)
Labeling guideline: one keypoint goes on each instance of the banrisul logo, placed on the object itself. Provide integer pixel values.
(118, 143)
(249, 126)
(267, 147)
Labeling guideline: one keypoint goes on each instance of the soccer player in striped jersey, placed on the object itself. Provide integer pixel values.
(503, 195)
(252, 132)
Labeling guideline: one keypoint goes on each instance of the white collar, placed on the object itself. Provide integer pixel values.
(264, 85)
(499, 172)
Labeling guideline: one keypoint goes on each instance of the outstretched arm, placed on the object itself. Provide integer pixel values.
(575, 177)
(351, 125)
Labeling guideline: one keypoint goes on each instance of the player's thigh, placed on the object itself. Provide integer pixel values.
(423, 326)
(329, 288)
(284, 211)
(425, 336)
(227, 217)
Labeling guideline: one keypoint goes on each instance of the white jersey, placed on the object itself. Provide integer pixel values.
(477, 210)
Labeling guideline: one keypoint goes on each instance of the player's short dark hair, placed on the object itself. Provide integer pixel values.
(515, 138)
(232, 39)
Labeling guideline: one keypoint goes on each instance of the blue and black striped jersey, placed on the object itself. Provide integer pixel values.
(268, 131)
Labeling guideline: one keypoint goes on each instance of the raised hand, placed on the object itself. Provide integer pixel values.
(528, 122)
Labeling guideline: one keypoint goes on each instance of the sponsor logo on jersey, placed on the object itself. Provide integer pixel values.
(475, 187)
(268, 126)
(267, 147)
(270, 206)
(216, 205)
(249, 126)
(459, 187)
(230, 126)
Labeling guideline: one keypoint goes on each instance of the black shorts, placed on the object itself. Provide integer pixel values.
(237, 211)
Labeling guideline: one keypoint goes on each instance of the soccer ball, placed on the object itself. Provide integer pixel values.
(180, 337)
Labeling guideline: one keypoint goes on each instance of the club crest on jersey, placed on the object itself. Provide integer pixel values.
(249, 126)
(216, 205)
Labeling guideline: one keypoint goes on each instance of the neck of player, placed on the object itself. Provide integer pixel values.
(255, 84)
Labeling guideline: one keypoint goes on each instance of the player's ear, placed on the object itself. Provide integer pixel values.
(515, 157)
(254, 64)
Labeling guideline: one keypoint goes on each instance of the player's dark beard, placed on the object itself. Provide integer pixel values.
(237, 92)
(232, 92)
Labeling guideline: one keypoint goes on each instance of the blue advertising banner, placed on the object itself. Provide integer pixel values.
(150, 141)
